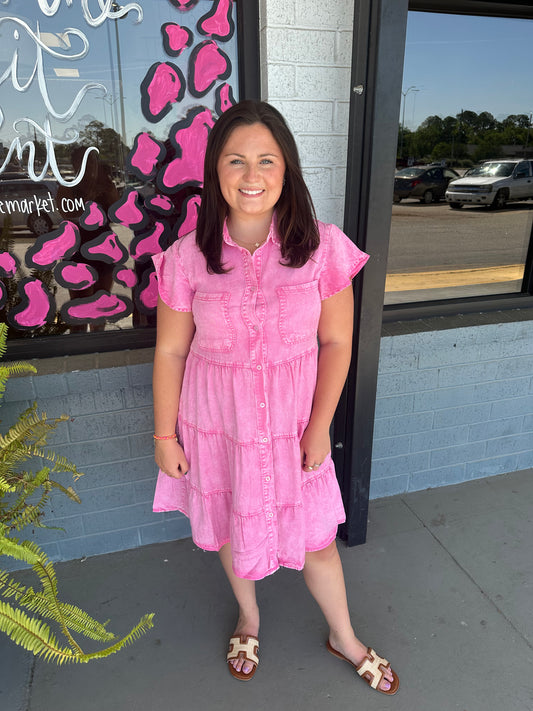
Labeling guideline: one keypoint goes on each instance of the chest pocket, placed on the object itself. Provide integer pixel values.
(299, 312)
(214, 330)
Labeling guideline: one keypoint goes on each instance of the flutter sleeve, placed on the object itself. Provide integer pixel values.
(342, 261)
(173, 285)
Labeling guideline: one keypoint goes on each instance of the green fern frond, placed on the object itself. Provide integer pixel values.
(19, 551)
(77, 620)
(27, 440)
(144, 624)
(31, 634)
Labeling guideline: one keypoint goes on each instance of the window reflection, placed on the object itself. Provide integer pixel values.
(104, 114)
(463, 189)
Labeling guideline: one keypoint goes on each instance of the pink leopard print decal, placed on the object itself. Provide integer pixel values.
(146, 244)
(53, 246)
(218, 22)
(188, 218)
(184, 4)
(163, 85)
(176, 38)
(145, 156)
(207, 65)
(36, 307)
(105, 248)
(75, 275)
(93, 217)
(128, 211)
(125, 277)
(96, 309)
(146, 293)
(223, 98)
(161, 204)
(189, 137)
(8, 265)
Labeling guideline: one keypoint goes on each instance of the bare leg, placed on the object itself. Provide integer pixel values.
(244, 591)
(325, 579)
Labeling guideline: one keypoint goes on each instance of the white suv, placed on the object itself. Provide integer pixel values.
(493, 183)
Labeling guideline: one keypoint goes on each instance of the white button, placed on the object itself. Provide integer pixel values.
(256, 328)
(265, 439)
(270, 515)
(262, 404)
(267, 478)
(259, 367)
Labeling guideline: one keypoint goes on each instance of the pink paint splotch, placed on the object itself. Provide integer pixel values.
(224, 98)
(75, 275)
(106, 247)
(218, 22)
(207, 65)
(147, 292)
(97, 308)
(189, 216)
(146, 244)
(126, 277)
(161, 204)
(184, 4)
(37, 305)
(54, 246)
(8, 265)
(176, 38)
(128, 211)
(145, 155)
(190, 139)
(93, 217)
(163, 85)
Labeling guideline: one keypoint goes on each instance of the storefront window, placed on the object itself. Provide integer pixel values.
(463, 190)
(105, 108)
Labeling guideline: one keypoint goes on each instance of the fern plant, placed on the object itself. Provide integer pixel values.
(27, 613)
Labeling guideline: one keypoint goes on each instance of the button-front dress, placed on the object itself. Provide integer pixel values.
(246, 399)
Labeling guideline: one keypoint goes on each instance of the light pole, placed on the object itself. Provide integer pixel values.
(404, 94)
(527, 135)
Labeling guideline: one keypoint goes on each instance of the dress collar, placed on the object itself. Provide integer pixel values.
(272, 233)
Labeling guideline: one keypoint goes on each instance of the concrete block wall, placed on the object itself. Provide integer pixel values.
(306, 63)
(453, 405)
(109, 438)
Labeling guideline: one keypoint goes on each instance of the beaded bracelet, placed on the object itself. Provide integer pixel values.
(172, 436)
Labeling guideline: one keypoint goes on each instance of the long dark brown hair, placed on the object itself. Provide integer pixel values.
(296, 220)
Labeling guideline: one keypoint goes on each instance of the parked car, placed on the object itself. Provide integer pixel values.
(494, 183)
(426, 182)
(28, 204)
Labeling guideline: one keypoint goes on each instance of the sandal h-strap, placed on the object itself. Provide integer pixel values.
(371, 670)
(246, 647)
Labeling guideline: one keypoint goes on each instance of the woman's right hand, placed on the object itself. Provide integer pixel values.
(170, 458)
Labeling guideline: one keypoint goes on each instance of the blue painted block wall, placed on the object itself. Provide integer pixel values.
(453, 405)
(109, 438)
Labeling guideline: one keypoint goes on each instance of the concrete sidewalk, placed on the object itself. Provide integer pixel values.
(443, 588)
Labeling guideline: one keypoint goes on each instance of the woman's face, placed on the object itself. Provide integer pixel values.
(250, 171)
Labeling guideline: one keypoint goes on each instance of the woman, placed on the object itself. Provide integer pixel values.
(237, 372)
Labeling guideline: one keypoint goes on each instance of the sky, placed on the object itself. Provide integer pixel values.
(462, 62)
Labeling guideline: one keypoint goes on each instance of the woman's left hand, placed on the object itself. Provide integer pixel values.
(315, 446)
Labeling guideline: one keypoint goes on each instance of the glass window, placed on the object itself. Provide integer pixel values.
(466, 107)
(105, 108)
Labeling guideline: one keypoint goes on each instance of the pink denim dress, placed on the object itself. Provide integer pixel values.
(246, 399)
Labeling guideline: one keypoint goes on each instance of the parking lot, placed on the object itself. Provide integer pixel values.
(456, 252)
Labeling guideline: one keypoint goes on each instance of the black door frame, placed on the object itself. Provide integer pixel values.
(376, 80)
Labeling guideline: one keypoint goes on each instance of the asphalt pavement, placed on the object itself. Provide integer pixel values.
(443, 588)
